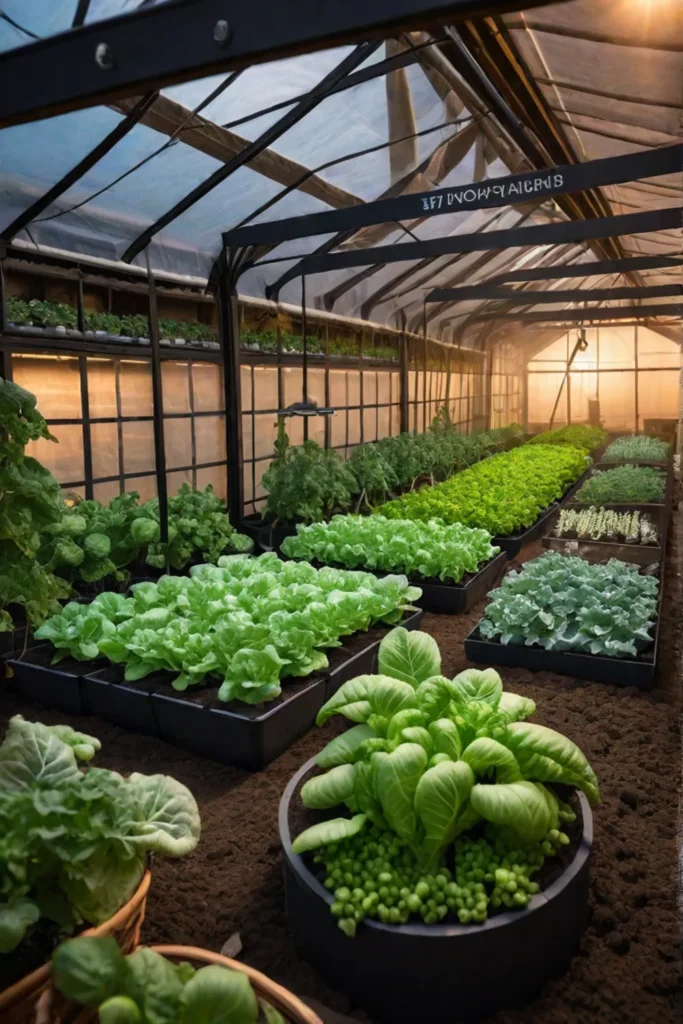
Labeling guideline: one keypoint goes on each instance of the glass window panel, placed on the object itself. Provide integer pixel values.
(207, 387)
(543, 388)
(384, 420)
(292, 378)
(104, 440)
(583, 390)
(64, 460)
(353, 387)
(215, 476)
(176, 386)
(146, 486)
(265, 431)
(616, 348)
(412, 419)
(246, 388)
(617, 401)
(54, 380)
(247, 438)
(354, 426)
(395, 419)
(178, 442)
(105, 492)
(136, 388)
(174, 481)
(316, 387)
(654, 350)
(338, 429)
(265, 387)
(369, 425)
(369, 387)
(338, 388)
(384, 387)
(209, 432)
(247, 484)
(101, 387)
(658, 395)
(138, 447)
(295, 429)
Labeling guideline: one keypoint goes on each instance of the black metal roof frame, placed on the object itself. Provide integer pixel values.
(488, 291)
(492, 192)
(634, 313)
(595, 269)
(181, 40)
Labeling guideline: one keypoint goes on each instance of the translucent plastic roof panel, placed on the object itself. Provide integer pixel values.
(35, 18)
(33, 157)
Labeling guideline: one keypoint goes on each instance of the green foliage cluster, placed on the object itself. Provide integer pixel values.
(503, 494)
(30, 502)
(308, 484)
(344, 347)
(427, 550)
(428, 760)
(145, 988)
(245, 622)
(637, 448)
(55, 314)
(623, 484)
(73, 844)
(601, 524)
(578, 436)
(563, 603)
(198, 528)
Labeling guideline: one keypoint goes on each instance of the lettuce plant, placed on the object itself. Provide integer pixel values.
(145, 988)
(562, 603)
(198, 527)
(624, 484)
(74, 843)
(244, 623)
(428, 759)
(579, 435)
(502, 494)
(427, 550)
(638, 448)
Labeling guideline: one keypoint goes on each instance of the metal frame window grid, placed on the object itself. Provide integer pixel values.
(86, 421)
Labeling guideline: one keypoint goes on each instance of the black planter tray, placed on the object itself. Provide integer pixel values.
(55, 686)
(443, 598)
(243, 735)
(597, 668)
(412, 973)
(12, 640)
(602, 551)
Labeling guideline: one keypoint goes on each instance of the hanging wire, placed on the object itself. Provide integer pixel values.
(171, 141)
(17, 26)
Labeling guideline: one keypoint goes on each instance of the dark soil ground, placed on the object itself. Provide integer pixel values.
(628, 969)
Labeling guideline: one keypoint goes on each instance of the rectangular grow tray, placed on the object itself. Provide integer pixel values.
(55, 686)
(600, 550)
(243, 735)
(597, 668)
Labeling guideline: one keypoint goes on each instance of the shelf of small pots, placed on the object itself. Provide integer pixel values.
(465, 841)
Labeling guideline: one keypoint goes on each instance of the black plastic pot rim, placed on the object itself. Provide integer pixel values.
(414, 581)
(433, 931)
(647, 658)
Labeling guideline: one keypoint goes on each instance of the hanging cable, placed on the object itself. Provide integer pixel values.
(17, 26)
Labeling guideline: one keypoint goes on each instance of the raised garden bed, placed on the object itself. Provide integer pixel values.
(602, 551)
(402, 974)
(514, 542)
(442, 597)
(248, 736)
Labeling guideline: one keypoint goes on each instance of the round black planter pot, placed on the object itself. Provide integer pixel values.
(405, 974)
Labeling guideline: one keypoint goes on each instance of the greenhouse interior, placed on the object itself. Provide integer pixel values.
(341, 547)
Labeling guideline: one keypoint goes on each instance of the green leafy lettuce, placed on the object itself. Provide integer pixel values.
(74, 843)
(244, 623)
(430, 757)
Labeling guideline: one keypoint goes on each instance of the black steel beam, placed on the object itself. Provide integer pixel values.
(81, 13)
(271, 134)
(181, 40)
(514, 188)
(598, 268)
(675, 309)
(88, 161)
(158, 410)
(540, 234)
(487, 291)
(229, 336)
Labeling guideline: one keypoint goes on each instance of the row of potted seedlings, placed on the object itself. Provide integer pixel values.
(604, 545)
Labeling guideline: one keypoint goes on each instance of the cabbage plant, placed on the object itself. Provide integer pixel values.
(146, 988)
(429, 757)
(74, 843)
(429, 550)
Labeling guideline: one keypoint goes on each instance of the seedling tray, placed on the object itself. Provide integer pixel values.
(246, 736)
(378, 968)
(55, 686)
(598, 668)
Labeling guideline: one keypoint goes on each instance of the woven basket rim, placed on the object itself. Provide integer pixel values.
(281, 998)
(30, 983)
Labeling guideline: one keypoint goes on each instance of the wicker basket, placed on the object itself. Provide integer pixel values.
(18, 1002)
(53, 1009)
(291, 1008)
